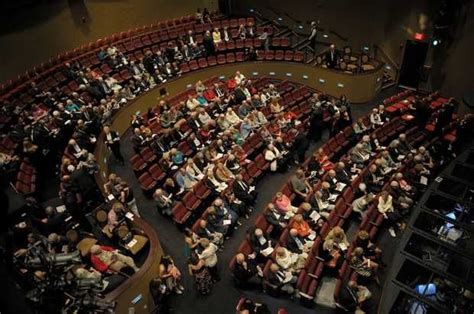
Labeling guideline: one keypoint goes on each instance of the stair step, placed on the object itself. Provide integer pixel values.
(302, 44)
(285, 32)
(388, 84)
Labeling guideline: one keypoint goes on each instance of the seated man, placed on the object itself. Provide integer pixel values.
(105, 258)
(312, 217)
(274, 218)
(204, 232)
(353, 297)
(300, 186)
(262, 246)
(374, 181)
(298, 244)
(280, 281)
(244, 192)
(342, 175)
(245, 269)
(321, 206)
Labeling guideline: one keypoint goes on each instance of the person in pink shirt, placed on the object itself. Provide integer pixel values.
(283, 204)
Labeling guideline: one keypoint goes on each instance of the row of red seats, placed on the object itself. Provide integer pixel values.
(192, 200)
(26, 179)
(308, 279)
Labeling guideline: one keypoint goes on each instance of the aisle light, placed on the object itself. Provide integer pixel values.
(322, 81)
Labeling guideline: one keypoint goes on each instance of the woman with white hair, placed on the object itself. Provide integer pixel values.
(375, 120)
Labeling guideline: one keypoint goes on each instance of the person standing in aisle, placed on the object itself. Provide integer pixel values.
(112, 139)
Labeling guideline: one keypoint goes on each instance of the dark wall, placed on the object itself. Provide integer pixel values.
(33, 33)
(387, 23)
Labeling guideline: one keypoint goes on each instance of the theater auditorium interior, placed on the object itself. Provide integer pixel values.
(237, 156)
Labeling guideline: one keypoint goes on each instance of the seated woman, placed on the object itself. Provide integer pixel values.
(367, 145)
(289, 261)
(171, 187)
(240, 154)
(358, 156)
(205, 134)
(337, 237)
(312, 217)
(222, 173)
(375, 119)
(177, 157)
(301, 226)
(387, 159)
(246, 128)
(185, 180)
(166, 163)
(193, 171)
(104, 258)
(231, 117)
(360, 128)
(371, 251)
(385, 207)
(283, 204)
(213, 183)
(323, 160)
(363, 266)
(275, 107)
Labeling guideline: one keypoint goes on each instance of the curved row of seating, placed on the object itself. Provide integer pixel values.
(309, 277)
(50, 77)
(190, 205)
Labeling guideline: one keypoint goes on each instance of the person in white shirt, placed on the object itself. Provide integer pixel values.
(239, 77)
(272, 155)
(209, 257)
(231, 117)
(192, 103)
(225, 34)
(385, 207)
(375, 119)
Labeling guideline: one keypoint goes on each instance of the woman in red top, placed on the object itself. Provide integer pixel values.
(323, 160)
(104, 258)
(301, 226)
